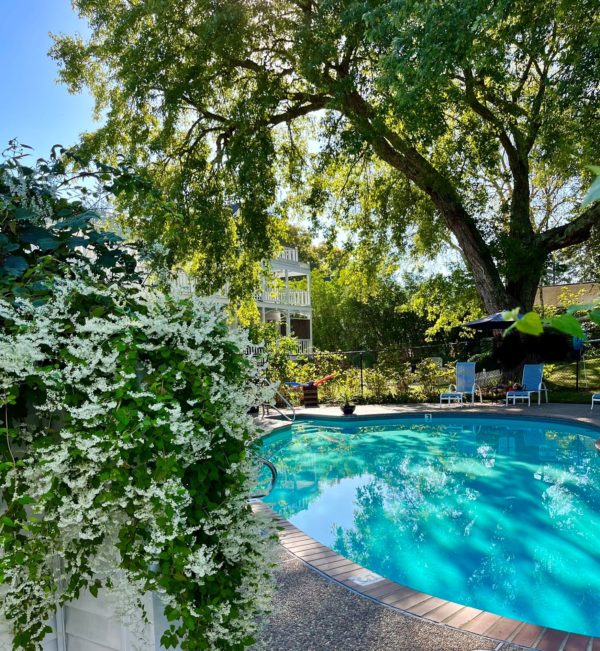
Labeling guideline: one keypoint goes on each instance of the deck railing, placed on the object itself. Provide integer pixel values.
(289, 254)
(273, 295)
(295, 297)
(303, 346)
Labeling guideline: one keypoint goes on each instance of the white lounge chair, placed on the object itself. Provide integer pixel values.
(465, 385)
(533, 382)
(595, 399)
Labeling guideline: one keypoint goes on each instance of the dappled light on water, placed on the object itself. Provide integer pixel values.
(502, 515)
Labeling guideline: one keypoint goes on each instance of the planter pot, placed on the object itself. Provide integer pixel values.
(348, 409)
(91, 623)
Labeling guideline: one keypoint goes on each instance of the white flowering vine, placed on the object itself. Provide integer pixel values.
(125, 459)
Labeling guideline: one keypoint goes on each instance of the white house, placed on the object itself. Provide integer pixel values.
(284, 297)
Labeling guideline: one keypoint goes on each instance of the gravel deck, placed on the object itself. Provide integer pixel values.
(312, 613)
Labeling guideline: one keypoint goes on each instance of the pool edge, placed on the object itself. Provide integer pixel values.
(331, 565)
(412, 603)
(270, 426)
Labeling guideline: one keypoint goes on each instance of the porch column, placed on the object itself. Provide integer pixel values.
(288, 325)
(310, 331)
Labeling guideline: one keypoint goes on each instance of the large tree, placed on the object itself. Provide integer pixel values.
(444, 104)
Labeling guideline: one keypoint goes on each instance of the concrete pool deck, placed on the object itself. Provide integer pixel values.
(429, 622)
(580, 413)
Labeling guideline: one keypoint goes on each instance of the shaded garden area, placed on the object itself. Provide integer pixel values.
(431, 161)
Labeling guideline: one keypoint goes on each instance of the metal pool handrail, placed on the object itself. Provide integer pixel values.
(271, 467)
(287, 403)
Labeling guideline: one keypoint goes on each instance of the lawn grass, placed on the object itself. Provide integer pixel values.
(561, 380)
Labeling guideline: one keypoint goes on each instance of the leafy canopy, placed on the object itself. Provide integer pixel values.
(412, 121)
(48, 219)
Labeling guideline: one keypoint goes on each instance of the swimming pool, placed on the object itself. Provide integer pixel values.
(501, 514)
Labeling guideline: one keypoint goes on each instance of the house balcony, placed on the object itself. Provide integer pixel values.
(289, 297)
(288, 254)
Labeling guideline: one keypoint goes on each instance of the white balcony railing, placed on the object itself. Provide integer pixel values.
(290, 254)
(255, 349)
(293, 297)
(303, 346)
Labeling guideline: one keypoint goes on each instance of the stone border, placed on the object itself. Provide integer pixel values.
(358, 579)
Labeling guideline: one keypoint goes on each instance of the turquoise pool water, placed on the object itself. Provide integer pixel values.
(498, 514)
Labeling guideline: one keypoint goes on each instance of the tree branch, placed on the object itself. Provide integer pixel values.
(488, 115)
(575, 232)
(402, 155)
(519, 89)
(297, 111)
(536, 106)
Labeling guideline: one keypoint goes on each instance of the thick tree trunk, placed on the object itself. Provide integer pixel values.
(523, 280)
(478, 257)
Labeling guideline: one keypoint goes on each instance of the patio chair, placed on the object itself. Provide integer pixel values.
(465, 385)
(595, 399)
(533, 382)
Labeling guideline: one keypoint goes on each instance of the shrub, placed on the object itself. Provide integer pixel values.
(377, 384)
(430, 376)
(135, 466)
(125, 454)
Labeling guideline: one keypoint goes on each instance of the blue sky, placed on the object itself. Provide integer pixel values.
(35, 108)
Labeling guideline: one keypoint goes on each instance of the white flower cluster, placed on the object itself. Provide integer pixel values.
(134, 396)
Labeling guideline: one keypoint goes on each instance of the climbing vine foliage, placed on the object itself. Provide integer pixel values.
(125, 464)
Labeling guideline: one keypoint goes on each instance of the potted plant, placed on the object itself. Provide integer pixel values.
(347, 395)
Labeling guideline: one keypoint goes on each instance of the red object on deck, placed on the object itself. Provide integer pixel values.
(323, 379)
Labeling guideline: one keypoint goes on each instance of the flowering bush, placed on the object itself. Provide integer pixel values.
(131, 463)
(125, 436)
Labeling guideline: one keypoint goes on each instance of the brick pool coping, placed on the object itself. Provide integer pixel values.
(410, 602)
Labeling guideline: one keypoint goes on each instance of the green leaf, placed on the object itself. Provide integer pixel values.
(122, 415)
(568, 324)
(74, 241)
(25, 499)
(511, 315)
(595, 316)
(97, 310)
(15, 265)
(40, 237)
(581, 307)
(6, 246)
(24, 213)
(77, 223)
(593, 194)
(108, 260)
(530, 324)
